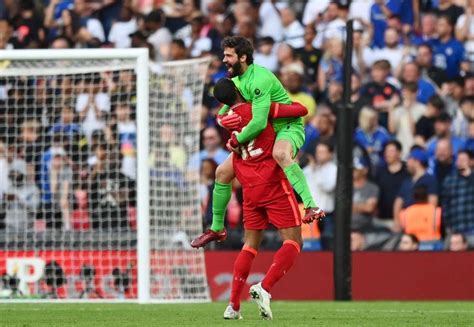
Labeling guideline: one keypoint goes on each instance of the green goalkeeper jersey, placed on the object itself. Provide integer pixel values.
(260, 86)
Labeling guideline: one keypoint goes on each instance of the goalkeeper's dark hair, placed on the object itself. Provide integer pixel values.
(241, 45)
(225, 91)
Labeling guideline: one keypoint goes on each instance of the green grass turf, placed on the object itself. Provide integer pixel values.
(209, 315)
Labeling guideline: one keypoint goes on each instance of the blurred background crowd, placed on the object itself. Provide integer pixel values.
(412, 94)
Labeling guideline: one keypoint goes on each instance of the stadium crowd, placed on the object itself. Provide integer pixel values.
(412, 94)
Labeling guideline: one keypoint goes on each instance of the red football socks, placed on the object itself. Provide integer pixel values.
(282, 262)
(242, 266)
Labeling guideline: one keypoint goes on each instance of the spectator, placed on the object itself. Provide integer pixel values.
(452, 93)
(408, 242)
(28, 30)
(424, 58)
(443, 163)
(332, 26)
(379, 92)
(178, 20)
(458, 242)
(120, 32)
(212, 149)
(465, 30)
(271, 21)
(448, 53)
(160, 37)
(292, 80)
(458, 196)
(321, 175)
(22, 199)
(319, 129)
(310, 57)
(92, 104)
(443, 130)
(365, 197)
(286, 55)
(293, 30)
(416, 165)
(463, 117)
(402, 120)
(108, 192)
(178, 50)
(330, 67)
(358, 102)
(313, 11)
(448, 9)
(370, 135)
(379, 14)
(422, 219)
(392, 51)
(411, 74)
(49, 213)
(127, 140)
(470, 138)
(61, 184)
(428, 30)
(265, 55)
(424, 128)
(389, 177)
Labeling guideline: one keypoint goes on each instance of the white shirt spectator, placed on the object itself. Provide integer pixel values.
(120, 31)
(200, 46)
(271, 24)
(404, 132)
(322, 184)
(460, 126)
(268, 61)
(293, 35)
(360, 9)
(160, 39)
(469, 44)
(91, 122)
(313, 9)
(94, 27)
(394, 56)
(335, 29)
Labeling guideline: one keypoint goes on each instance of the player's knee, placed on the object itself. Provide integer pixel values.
(224, 175)
(281, 156)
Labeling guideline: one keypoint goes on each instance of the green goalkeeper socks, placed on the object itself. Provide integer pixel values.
(220, 198)
(296, 177)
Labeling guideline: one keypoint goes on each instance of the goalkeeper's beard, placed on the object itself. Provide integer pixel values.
(236, 70)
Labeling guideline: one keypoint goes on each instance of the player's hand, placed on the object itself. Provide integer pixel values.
(233, 144)
(231, 122)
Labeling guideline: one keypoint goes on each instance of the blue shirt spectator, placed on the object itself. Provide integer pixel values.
(448, 53)
(408, 185)
(425, 91)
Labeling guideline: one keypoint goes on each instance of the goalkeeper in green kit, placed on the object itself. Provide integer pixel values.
(261, 87)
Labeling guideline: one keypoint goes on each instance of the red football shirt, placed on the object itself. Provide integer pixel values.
(256, 166)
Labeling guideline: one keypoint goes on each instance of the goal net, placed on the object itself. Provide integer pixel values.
(96, 201)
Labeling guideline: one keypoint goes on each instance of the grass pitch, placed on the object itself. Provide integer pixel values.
(209, 315)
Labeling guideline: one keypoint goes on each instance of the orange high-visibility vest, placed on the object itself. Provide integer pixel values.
(422, 220)
(309, 231)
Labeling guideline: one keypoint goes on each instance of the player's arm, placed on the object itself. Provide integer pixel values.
(280, 110)
(261, 102)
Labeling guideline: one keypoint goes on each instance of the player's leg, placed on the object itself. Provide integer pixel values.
(220, 198)
(283, 213)
(242, 266)
(287, 144)
(222, 193)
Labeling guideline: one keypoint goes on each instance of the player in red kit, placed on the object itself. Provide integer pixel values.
(268, 198)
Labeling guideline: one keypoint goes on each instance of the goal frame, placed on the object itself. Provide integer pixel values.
(143, 178)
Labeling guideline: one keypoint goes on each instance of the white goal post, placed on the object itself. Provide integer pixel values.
(116, 204)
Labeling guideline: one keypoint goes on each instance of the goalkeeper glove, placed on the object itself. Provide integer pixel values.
(230, 122)
(233, 144)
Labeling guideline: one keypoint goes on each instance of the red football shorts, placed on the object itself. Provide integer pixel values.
(272, 203)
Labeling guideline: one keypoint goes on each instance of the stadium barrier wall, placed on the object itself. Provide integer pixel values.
(376, 276)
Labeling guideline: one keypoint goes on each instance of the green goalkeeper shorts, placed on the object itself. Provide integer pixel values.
(293, 132)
